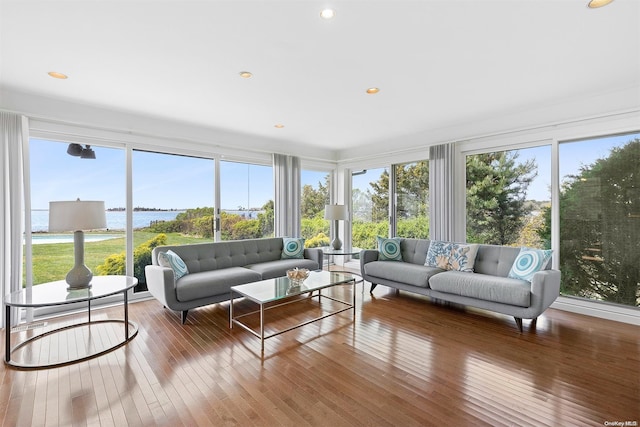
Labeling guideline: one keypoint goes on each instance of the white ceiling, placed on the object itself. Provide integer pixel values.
(440, 64)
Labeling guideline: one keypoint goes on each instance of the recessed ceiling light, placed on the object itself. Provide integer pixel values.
(57, 75)
(373, 90)
(245, 74)
(594, 4)
(327, 14)
(279, 126)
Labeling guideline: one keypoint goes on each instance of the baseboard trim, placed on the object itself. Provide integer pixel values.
(597, 309)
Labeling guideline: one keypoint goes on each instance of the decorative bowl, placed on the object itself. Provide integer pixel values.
(297, 275)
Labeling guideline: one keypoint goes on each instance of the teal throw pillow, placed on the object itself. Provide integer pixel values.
(172, 260)
(293, 247)
(389, 249)
(528, 262)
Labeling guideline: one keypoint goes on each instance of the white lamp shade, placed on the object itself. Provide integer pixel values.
(336, 212)
(76, 215)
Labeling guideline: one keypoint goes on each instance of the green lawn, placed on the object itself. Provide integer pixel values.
(52, 261)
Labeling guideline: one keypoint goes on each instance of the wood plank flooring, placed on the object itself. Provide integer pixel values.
(404, 361)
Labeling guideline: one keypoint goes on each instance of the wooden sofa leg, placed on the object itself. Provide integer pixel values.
(533, 323)
(184, 316)
(519, 322)
(373, 286)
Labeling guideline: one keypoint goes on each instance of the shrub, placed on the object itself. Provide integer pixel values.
(116, 263)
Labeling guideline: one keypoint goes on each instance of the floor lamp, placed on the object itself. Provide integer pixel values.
(336, 213)
(77, 216)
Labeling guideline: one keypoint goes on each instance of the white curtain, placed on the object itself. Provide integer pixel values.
(286, 178)
(441, 188)
(13, 130)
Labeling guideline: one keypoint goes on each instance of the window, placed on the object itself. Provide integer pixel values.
(508, 197)
(412, 199)
(370, 203)
(58, 176)
(173, 204)
(600, 218)
(246, 194)
(314, 197)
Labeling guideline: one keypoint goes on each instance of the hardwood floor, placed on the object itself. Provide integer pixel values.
(405, 361)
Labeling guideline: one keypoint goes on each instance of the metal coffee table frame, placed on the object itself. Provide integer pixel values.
(320, 280)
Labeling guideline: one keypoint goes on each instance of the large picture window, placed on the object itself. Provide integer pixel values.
(246, 194)
(600, 219)
(173, 204)
(509, 197)
(97, 173)
(314, 197)
(411, 207)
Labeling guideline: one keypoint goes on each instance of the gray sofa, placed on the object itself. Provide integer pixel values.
(215, 267)
(487, 287)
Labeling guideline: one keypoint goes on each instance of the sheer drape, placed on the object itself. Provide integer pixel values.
(441, 197)
(12, 131)
(286, 178)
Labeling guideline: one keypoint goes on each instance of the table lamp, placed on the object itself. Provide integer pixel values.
(336, 213)
(77, 216)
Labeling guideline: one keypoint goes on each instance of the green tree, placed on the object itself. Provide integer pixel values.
(496, 190)
(600, 228)
(313, 200)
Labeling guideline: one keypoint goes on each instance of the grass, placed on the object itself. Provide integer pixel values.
(52, 261)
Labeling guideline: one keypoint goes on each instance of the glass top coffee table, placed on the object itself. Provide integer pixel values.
(272, 293)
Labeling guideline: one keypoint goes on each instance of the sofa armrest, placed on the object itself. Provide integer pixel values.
(366, 256)
(545, 289)
(161, 284)
(316, 255)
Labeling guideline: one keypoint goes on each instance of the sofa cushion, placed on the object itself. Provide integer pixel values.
(528, 262)
(482, 286)
(271, 269)
(389, 249)
(214, 282)
(292, 247)
(173, 261)
(404, 272)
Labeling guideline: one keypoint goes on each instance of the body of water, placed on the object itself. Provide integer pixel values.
(116, 220)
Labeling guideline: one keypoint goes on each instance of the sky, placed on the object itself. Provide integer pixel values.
(161, 181)
(166, 181)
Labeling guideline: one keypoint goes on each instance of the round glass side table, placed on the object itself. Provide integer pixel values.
(81, 345)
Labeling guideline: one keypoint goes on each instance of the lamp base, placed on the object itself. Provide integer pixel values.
(336, 244)
(79, 278)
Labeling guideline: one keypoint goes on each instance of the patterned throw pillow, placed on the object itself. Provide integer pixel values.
(528, 262)
(389, 249)
(293, 247)
(172, 260)
(451, 256)
(462, 257)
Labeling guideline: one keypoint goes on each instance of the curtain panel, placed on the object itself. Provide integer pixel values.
(286, 178)
(441, 192)
(13, 132)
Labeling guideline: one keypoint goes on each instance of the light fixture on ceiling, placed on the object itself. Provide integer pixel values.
(278, 126)
(373, 90)
(57, 75)
(594, 4)
(328, 14)
(76, 150)
(88, 153)
(245, 74)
